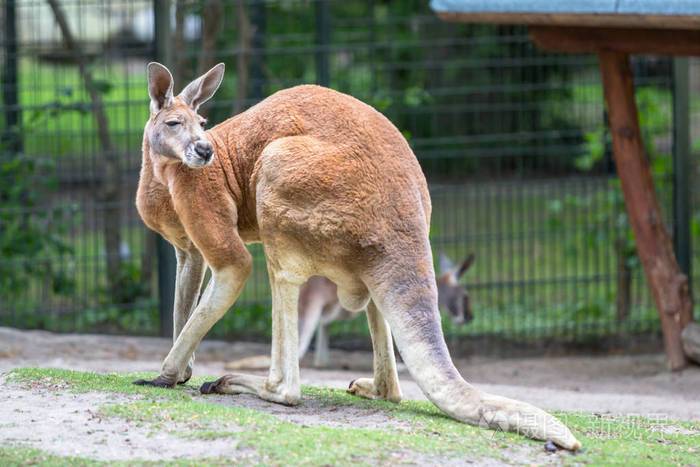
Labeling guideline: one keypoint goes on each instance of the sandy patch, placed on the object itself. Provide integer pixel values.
(59, 422)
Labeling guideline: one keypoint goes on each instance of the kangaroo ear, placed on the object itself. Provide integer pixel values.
(160, 86)
(446, 264)
(466, 265)
(200, 90)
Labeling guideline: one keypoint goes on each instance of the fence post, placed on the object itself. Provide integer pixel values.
(681, 166)
(323, 39)
(11, 137)
(164, 251)
(167, 265)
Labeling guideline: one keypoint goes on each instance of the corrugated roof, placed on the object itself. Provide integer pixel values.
(601, 7)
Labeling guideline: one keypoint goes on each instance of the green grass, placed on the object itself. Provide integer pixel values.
(22, 456)
(11, 456)
(606, 440)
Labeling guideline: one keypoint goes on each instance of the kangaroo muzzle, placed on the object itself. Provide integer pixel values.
(199, 154)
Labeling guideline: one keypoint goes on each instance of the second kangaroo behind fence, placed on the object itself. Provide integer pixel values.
(319, 306)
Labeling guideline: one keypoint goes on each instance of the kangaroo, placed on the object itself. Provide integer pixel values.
(331, 188)
(319, 307)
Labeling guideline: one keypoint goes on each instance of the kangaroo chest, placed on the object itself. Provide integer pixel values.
(155, 206)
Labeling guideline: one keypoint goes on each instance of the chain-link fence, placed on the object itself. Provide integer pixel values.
(513, 142)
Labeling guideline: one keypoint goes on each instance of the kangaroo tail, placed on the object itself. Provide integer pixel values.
(407, 297)
(258, 362)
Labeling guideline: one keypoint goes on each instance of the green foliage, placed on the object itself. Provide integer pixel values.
(33, 229)
(475, 101)
(141, 317)
(607, 223)
(131, 286)
(595, 143)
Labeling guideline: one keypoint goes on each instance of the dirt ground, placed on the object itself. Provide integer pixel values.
(624, 385)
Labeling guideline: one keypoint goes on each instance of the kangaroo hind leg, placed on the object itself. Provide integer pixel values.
(282, 384)
(385, 384)
(407, 296)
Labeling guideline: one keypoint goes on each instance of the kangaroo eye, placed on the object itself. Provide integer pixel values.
(172, 123)
(203, 124)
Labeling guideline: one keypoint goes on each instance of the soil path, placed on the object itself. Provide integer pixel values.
(67, 424)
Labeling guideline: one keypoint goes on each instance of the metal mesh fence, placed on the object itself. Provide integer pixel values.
(513, 142)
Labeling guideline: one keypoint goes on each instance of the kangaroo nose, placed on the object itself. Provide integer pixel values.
(203, 149)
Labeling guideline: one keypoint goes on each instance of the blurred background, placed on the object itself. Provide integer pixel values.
(513, 142)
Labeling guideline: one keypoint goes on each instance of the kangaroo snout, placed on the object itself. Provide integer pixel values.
(199, 154)
(204, 149)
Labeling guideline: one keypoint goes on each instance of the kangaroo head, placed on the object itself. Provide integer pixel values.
(451, 295)
(175, 130)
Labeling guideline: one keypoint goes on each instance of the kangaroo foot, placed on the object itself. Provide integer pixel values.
(160, 382)
(211, 387)
(237, 383)
(364, 387)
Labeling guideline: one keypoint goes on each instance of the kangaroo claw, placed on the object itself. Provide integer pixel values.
(209, 387)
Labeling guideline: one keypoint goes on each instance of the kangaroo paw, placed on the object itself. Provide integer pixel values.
(237, 383)
(212, 387)
(228, 384)
(160, 382)
(364, 387)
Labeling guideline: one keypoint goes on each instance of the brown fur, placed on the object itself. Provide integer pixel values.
(331, 188)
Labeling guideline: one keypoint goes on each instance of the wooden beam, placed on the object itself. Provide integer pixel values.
(668, 285)
(624, 40)
(612, 20)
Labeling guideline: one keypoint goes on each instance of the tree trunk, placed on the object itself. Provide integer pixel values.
(110, 189)
(668, 285)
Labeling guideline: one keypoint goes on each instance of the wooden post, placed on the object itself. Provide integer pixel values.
(668, 285)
